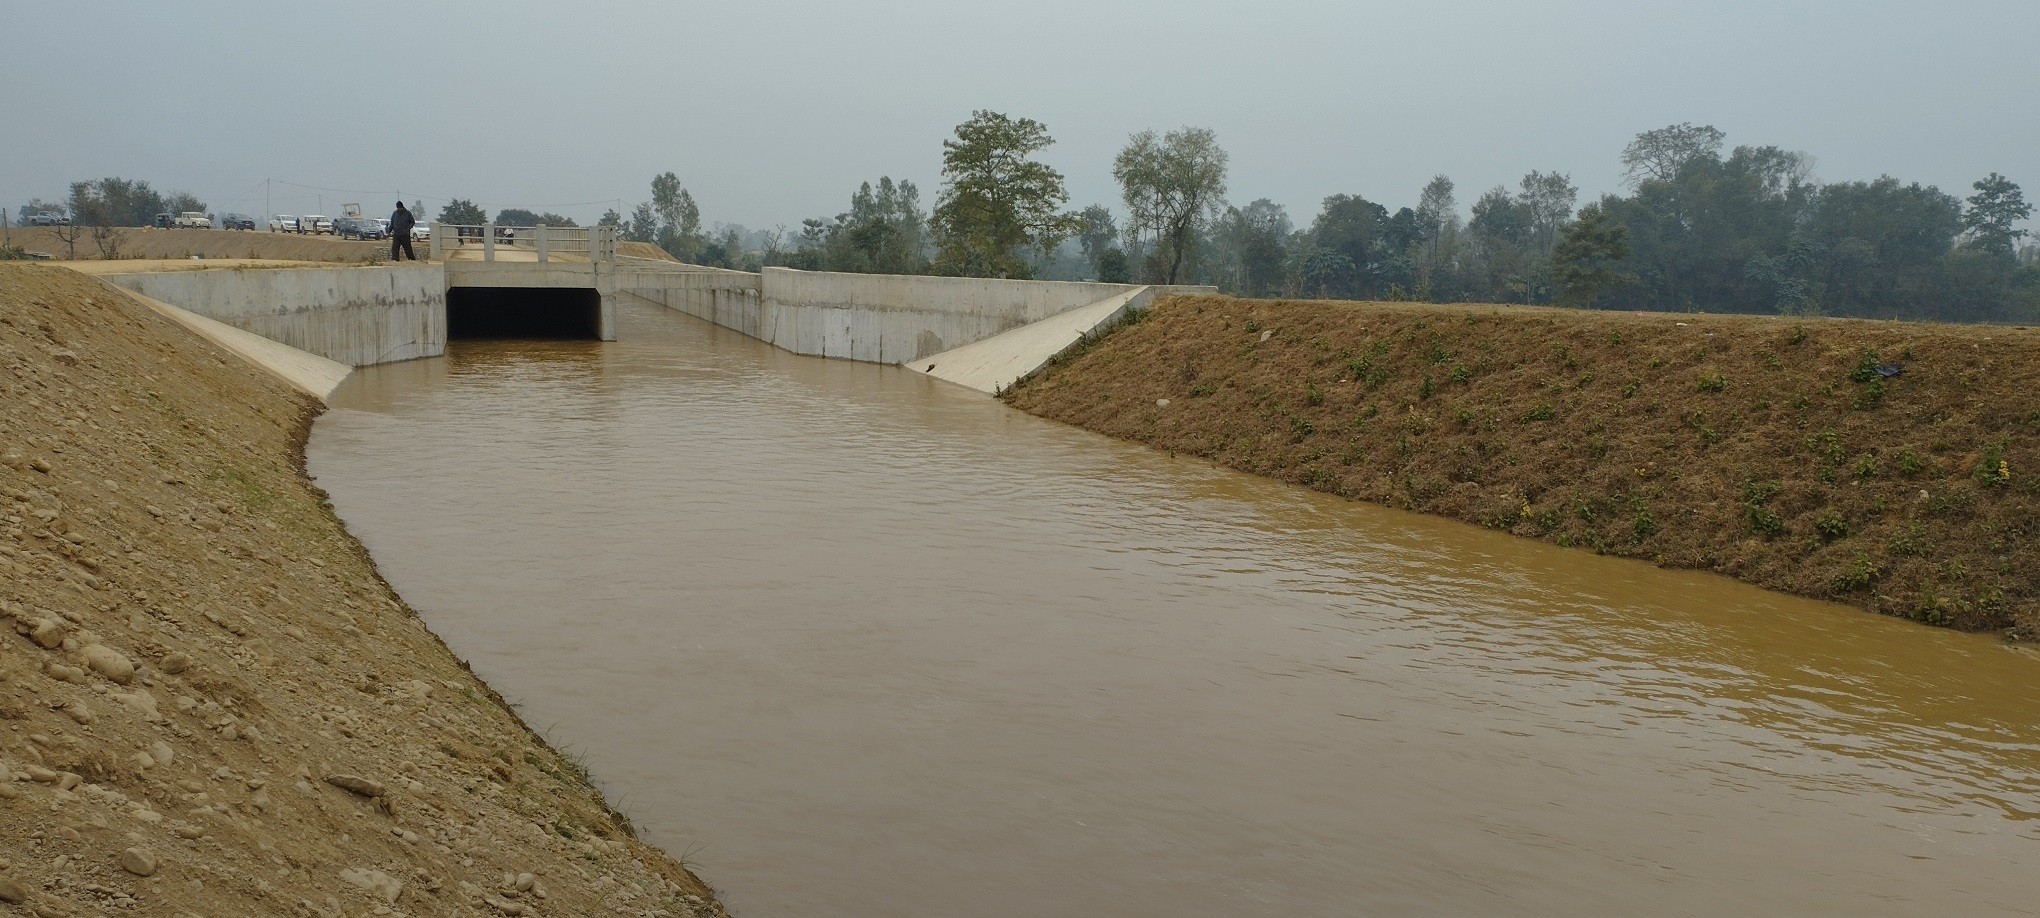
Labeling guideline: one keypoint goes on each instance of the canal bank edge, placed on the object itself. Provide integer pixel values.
(1892, 466)
(210, 702)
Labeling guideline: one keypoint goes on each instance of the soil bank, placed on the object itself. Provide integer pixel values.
(156, 243)
(210, 703)
(1782, 452)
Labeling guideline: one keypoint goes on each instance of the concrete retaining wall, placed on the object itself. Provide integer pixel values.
(882, 318)
(356, 316)
(728, 298)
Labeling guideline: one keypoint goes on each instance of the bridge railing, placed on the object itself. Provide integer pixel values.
(591, 243)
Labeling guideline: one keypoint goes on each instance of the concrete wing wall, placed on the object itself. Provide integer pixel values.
(356, 316)
(881, 318)
(893, 318)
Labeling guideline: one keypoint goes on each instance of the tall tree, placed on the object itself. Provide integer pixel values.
(996, 200)
(1658, 155)
(679, 230)
(1097, 232)
(1586, 261)
(1547, 199)
(611, 218)
(1996, 206)
(643, 225)
(1347, 248)
(1251, 244)
(463, 212)
(1170, 184)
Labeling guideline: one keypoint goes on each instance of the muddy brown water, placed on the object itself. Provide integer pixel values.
(860, 643)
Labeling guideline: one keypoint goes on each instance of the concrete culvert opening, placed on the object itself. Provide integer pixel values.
(523, 312)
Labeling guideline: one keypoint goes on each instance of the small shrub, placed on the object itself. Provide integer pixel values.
(1756, 494)
(1913, 541)
(1311, 395)
(1832, 526)
(1427, 388)
(1460, 373)
(1859, 574)
(1993, 469)
(1630, 389)
(1866, 368)
(1713, 382)
(1253, 326)
(1642, 525)
(1798, 335)
(1865, 467)
(1540, 413)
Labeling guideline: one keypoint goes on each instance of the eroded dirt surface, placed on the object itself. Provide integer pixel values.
(210, 703)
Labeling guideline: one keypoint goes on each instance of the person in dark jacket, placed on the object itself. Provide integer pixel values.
(400, 233)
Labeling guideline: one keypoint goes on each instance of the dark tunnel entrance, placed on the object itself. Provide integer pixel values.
(523, 312)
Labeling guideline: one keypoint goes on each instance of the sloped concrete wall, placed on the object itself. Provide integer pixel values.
(881, 318)
(892, 318)
(354, 315)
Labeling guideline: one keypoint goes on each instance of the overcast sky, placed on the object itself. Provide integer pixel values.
(774, 111)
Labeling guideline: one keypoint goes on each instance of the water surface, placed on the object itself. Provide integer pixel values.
(860, 643)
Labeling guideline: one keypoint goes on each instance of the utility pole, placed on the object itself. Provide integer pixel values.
(266, 211)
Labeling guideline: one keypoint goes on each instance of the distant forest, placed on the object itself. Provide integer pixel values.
(1701, 228)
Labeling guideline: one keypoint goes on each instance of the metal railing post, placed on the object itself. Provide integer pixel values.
(538, 240)
(488, 242)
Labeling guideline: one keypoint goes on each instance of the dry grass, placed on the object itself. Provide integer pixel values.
(1763, 448)
(149, 242)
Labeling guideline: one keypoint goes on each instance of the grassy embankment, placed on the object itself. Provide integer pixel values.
(1763, 448)
(210, 703)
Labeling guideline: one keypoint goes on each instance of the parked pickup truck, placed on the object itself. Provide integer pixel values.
(192, 219)
(49, 218)
(315, 225)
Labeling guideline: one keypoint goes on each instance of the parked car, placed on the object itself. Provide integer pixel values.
(315, 225)
(237, 222)
(283, 223)
(420, 231)
(163, 220)
(49, 218)
(358, 228)
(192, 219)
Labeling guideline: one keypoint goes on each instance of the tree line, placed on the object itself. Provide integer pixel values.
(1698, 226)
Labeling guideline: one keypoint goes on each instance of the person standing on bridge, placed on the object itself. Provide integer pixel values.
(401, 223)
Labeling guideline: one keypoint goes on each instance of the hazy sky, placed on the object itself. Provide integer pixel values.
(774, 111)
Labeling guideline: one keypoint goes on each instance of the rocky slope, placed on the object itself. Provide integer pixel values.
(210, 704)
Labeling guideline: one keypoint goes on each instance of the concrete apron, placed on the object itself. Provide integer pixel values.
(996, 363)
